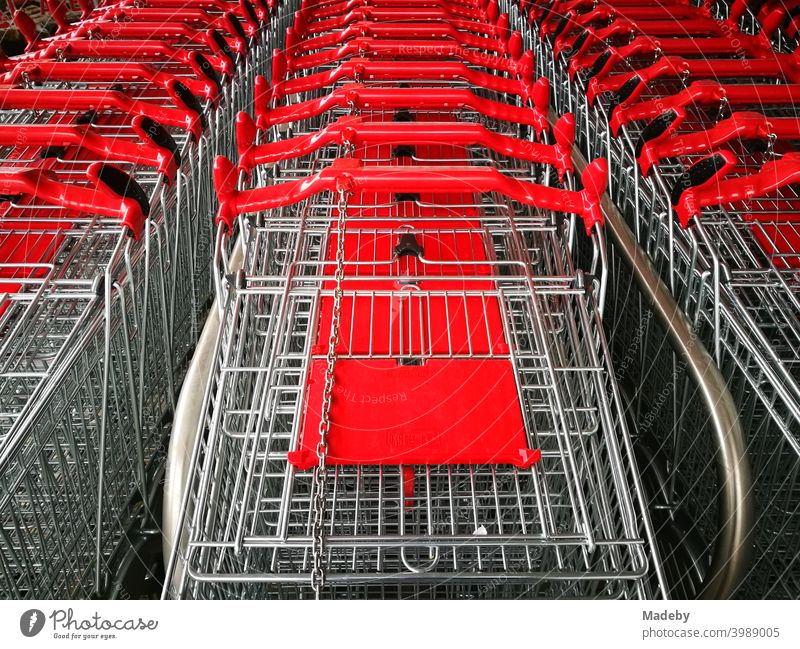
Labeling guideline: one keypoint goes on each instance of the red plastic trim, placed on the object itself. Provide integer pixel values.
(349, 175)
(355, 131)
(370, 98)
(771, 177)
(96, 199)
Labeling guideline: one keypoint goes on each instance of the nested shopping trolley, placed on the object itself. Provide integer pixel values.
(475, 439)
(709, 132)
(106, 253)
(409, 393)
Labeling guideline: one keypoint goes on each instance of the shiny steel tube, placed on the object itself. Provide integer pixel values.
(732, 548)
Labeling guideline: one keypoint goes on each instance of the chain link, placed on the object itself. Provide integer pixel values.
(321, 470)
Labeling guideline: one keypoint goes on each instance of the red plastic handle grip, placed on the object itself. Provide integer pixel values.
(467, 10)
(355, 131)
(722, 191)
(199, 18)
(395, 16)
(132, 50)
(98, 199)
(83, 100)
(253, 15)
(561, 8)
(739, 126)
(103, 71)
(85, 137)
(299, 44)
(704, 93)
(416, 49)
(349, 175)
(368, 70)
(369, 98)
(698, 28)
(174, 32)
(643, 45)
(781, 66)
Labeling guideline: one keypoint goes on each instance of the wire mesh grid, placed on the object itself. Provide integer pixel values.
(751, 325)
(572, 511)
(95, 340)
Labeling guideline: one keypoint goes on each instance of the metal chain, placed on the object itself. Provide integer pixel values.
(321, 470)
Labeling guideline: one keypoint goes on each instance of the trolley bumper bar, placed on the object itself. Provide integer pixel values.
(347, 174)
(355, 131)
(731, 557)
(370, 98)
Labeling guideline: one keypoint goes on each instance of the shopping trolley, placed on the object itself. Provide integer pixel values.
(94, 297)
(729, 267)
(399, 244)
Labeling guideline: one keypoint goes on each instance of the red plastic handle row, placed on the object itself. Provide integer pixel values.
(355, 131)
(705, 93)
(368, 70)
(100, 198)
(355, 96)
(349, 175)
(719, 190)
(739, 126)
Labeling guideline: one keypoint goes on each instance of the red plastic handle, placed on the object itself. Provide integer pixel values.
(299, 44)
(704, 93)
(780, 66)
(199, 18)
(58, 11)
(146, 153)
(103, 71)
(416, 49)
(561, 8)
(771, 177)
(28, 28)
(99, 198)
(349, 175)
(754, 46)
(174, 32)
(467, 10)
(368, 70)
(355, 131)
(739, 126)
(370, 98)
(395, 16)
(697, 28)
(83, 100)
(132, 50)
